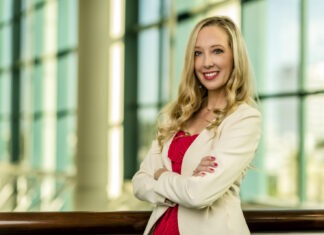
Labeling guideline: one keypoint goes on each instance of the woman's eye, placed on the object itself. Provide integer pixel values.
(218, 51)
(197, 53)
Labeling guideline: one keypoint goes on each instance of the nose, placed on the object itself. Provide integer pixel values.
(208, 61)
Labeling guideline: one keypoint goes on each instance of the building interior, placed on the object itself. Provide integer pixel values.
(82, 83)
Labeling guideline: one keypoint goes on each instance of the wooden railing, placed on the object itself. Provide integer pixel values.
(133, 222)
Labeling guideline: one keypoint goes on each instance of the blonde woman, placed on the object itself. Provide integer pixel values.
(206, 139)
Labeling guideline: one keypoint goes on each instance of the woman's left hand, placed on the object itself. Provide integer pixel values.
(207, 164)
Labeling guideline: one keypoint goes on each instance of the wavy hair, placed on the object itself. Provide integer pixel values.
(191, 94)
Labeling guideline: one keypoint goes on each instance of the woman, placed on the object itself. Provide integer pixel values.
(206, 139)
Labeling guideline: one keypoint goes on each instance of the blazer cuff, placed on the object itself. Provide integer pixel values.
(165, 201)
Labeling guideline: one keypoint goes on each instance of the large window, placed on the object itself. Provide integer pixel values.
(286, 53)
(38, 64)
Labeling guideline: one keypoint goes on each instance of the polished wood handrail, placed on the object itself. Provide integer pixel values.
(133, 222)
(285, 220)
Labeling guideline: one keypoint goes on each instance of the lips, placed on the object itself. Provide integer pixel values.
(211, 75)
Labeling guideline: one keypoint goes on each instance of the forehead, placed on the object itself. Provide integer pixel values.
(212, 35)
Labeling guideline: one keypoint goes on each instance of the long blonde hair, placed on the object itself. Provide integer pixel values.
(191, 94)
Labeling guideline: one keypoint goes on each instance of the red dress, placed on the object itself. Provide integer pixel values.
(168, 223)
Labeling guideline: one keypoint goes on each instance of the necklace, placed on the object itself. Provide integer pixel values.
(186, 133)
(210, 109)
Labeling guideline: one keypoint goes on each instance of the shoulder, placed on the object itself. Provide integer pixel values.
(249, 109)
(244, 110)
(245, 114)
(243, 124)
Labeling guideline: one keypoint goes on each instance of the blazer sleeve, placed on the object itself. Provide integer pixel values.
(234, 151)
(143, 181)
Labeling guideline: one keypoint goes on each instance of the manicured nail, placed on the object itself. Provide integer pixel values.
(212, 169)
(203, 173)
(215, 164)
(213, 158)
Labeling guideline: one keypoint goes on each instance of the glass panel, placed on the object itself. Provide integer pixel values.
(66, 106)
(231, 9)
(48, 81)
(38, 32)
(185, 5)
(36, 155)
(255, 37)
(279, 149)
(2, 11)
(67, 83)
(181, 36)
(274, 38)
(1, 48)
(66, 143)
(254, 188)
(148, 66)
(49, 28)
(166, 8)
(38, 1)
(25, 5)
(4, 139)
(67, 24)
(6, 44)
(5, 10)
(37, 88)
(5, 111)
(165, 67)
(146, 122)
(282, 46)
(48, 141)
(31, 4)
(315, 148)
(26, 36)
(5, 93)
(315, 46)
(37, 125)
(149, 11)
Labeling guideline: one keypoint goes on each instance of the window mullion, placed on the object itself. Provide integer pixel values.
(302, 165)
(15, 81)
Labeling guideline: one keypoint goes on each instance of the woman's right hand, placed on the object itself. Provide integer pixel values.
(207, 164)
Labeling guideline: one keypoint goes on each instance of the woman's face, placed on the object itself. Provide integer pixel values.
(213, 58)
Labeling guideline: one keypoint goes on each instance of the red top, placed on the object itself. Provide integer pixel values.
(168, 223)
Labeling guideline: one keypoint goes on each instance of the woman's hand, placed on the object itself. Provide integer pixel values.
(207, 164)
(159, 172)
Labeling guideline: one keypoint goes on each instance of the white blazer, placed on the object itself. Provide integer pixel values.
(208, 204)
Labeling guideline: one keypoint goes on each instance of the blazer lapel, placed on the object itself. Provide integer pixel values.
(165, 159)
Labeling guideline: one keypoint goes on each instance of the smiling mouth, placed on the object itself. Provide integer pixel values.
(211, 75)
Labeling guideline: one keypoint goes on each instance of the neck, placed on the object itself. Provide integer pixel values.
(215, 101)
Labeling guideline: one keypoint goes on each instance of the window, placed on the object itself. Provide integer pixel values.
(284, 44)
(38, 80)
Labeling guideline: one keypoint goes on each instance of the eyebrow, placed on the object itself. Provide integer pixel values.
(216, 45)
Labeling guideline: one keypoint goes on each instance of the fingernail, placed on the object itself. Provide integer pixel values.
(215, 164)
(213, 158)
(210, 168)
(203, 173)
